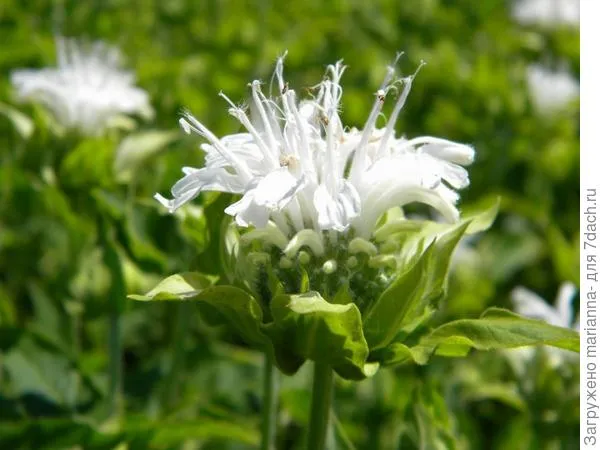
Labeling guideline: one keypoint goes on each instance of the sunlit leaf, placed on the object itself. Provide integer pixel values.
(233, 305)
(308, 327)
(496, 329)
(138, 147)
(412, 292)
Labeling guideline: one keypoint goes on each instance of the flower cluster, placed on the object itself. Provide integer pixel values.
(86, 90)
(300, 168)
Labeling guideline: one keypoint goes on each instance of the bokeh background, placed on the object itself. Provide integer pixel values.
(78, 231)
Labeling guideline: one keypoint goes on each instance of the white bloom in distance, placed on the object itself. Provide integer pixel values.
(551, 90)
(547, 12)
(86, 90)
(301, 168)
(531, 305)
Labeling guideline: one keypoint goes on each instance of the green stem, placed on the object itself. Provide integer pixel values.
(76, 349)
(181, 327)
(115, 365)
(341, 433)
(117, 294)
(269, 411)
(322, 393)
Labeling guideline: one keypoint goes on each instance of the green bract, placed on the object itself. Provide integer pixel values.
(353, 304)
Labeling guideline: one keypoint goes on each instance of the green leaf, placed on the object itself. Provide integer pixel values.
(140, 244)
(413, 292)
(23, 124)
(136, 148)
(55, 433)
(89, 163)
(308, 327)
(481, 219)
(436, 426)
(397, 353)
(502, 392)
(182, 286)
(565, 254)
(221, 304)
(193, 226)
(496, 329)
(167, 434)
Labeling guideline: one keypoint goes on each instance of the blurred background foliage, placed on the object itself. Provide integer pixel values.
(79, 228)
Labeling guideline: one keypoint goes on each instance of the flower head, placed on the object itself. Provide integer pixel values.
(86, 90)
(299, 167)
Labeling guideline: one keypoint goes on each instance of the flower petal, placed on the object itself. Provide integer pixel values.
(531, 305)
(271, 193)
(449, 151)
(564, 302)
(335, 212)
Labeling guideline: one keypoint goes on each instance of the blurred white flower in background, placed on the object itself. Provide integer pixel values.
(87, 90)
(551, 90)
(301, 168)
(546, 12)
(531, 305)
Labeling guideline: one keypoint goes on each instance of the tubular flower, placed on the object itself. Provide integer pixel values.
(299, 167)
(86, 90)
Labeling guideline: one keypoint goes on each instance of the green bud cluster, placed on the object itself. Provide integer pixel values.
(342, 268)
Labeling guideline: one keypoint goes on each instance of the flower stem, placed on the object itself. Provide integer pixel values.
(269, 410)
(322, 393)
(115, 365)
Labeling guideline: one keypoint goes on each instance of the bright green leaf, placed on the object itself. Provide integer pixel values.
(182, 286)
(89, 163)
(496, 329)
(481, 219)
(224, 304)
(413, 292)
(308, 327)
(136, 148)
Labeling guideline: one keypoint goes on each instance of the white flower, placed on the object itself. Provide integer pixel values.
(86, 90)
(531, 305)
(547, 12)
(551, 90)
(298, 165)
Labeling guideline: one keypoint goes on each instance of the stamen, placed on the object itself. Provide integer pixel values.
(389, 129)
(360, 155)
(189, 123)
(240, 115)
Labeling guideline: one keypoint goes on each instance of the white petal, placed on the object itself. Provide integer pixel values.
(564, 303)
(175, 203)
(336, 212)
(207, 180)
(531, 305)
(247, 213)
(277, 189)
(198, 180)
(453, 174)
(268, 194)
(450, 151)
